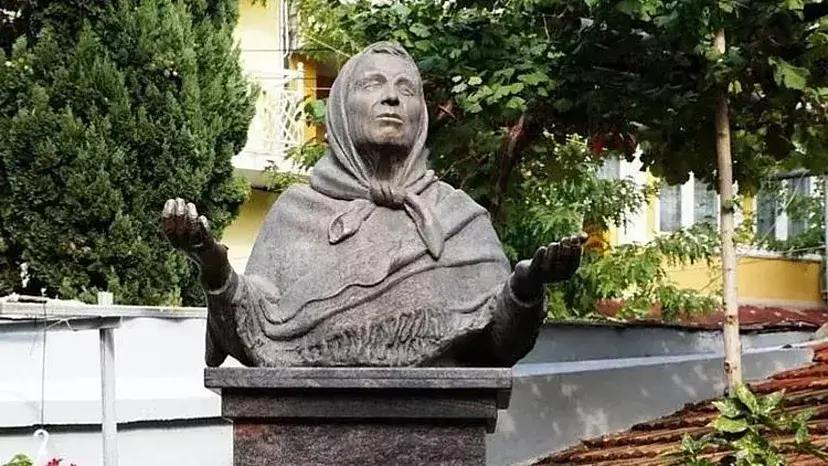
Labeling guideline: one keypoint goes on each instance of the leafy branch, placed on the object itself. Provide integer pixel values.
(749, 430)
(638, 277)
(19, 459)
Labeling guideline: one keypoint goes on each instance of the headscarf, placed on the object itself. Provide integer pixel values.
(345, 174)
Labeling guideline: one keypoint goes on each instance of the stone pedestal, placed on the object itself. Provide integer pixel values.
(360, 416)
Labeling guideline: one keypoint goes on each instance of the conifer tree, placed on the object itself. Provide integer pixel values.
(106, 110)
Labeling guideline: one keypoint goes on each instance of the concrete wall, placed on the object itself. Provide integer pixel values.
(198, 443)
(165, 414)
(560, 342)
(555, 405)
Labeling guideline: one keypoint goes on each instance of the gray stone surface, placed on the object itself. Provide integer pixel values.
(346, 444)
(376, 262)
(360, 416)
(400, 378)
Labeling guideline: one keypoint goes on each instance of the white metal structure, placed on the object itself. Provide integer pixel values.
(51, 378)
(278, 124)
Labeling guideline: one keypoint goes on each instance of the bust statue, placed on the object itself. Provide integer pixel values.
(376, 262)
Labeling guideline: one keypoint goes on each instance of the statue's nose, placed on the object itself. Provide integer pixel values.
(390, 96)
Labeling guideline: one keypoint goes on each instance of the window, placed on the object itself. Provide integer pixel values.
(766, 214)
(669, 208)
(704, 203)
(800, 187)
(610, 169)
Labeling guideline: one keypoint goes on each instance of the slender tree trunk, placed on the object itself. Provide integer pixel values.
(732, 344)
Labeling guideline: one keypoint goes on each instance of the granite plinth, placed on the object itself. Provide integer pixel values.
(360, 416)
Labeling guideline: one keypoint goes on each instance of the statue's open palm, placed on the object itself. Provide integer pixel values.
(185, 228)
(555, 262)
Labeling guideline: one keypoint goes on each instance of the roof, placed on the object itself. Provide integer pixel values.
(643, 444)
(751, 318)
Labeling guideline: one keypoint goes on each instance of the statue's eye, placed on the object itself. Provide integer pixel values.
(370, 84)
(406, 90)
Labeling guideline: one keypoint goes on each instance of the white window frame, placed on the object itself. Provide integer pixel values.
(634, 229)
(781, 222)
(687, 194)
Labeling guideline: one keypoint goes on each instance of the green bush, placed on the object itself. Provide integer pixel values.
(106, 110)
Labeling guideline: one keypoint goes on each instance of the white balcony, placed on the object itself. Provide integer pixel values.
(278, 124)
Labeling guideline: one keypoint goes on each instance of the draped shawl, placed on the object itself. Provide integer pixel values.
(341, 276)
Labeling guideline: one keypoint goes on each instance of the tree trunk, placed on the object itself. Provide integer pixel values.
(510, 154)
(732, 345)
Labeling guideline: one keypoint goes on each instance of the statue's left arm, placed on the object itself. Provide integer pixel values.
(515, 326)
(520, 307)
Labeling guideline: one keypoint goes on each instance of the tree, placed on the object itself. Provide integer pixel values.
(106, 110)
(632, 73)
(623, 73)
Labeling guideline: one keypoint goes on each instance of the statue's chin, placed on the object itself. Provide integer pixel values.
(393, 147)
(387, 138)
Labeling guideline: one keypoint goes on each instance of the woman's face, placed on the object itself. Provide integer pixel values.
(384, 103)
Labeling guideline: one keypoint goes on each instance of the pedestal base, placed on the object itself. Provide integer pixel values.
(360, 416)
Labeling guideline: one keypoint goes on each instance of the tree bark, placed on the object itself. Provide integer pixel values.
(510, 154)
(732, 343)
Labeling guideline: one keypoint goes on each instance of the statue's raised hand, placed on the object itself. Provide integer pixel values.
(555, 262)
(190, 232)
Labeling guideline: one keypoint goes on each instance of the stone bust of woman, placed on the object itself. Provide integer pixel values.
(376, 262)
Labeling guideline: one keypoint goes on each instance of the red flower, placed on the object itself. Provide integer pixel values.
(54, 462)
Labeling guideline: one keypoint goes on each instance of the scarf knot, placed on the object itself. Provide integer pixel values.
(385, 195)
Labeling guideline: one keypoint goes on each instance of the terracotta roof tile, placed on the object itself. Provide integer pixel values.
(751, 318)
(645, 444)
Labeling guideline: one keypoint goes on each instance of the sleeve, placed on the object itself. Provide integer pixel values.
(229, 317)
(515, 326)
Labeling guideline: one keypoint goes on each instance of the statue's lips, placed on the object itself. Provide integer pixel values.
(390, 118)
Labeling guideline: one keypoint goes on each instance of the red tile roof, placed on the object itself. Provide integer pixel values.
(644, 444)
(751, 318)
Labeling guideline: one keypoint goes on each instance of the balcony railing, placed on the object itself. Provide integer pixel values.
(279, 122)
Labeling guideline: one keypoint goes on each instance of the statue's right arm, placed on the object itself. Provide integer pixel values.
(189, 232)
(235, 312)
(222, 338)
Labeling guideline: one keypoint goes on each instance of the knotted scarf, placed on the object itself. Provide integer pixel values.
(345, 174)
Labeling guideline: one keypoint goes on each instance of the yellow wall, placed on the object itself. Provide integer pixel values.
(258, 34)
(241, 234)
(258, 26)
(760, 280)
(310, 73)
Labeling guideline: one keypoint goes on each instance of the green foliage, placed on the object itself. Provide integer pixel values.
(509, 87)
(637, 276)
(19, 460)
(750, 430)
(554, 201)
(622, 72)
(106, 110)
